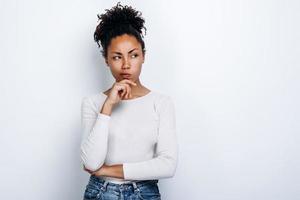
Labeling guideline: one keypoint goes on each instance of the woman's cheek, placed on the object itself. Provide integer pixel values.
(137, 63)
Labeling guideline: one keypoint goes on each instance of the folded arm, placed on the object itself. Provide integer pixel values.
(164, 164)
(94, 136)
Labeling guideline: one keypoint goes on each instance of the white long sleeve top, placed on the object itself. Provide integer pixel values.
(140, 133)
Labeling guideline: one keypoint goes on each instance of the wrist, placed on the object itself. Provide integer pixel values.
(108, 102)
(105, 170)
(107, 108)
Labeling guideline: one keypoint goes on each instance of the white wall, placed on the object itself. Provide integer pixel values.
(232, 68)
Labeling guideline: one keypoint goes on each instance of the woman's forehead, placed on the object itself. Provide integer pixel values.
(124, 43)
(124, 39)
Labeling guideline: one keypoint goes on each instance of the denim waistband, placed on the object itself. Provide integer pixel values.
(100, 181)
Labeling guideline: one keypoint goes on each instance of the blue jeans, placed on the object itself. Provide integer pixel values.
(100, 189)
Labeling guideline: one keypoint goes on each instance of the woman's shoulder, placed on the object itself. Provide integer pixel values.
(162, 99)
(161, 96)
(94, 96)
(94, 100)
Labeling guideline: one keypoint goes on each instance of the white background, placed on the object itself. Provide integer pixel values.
(231, 67)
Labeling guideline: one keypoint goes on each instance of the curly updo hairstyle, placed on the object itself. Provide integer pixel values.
(117, 21)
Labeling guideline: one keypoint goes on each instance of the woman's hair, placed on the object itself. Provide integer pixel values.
(117, 21)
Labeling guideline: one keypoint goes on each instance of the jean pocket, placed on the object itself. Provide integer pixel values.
(92, 192)
(149, 193)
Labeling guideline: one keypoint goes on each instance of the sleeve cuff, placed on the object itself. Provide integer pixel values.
(103, 117)
(126, 171)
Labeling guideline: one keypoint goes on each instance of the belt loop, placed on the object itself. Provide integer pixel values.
(136, 189)
(104, 185)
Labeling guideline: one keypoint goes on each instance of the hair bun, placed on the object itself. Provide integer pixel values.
(122, 16)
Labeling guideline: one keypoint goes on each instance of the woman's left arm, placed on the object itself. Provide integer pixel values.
(164, 164)
(108, 170)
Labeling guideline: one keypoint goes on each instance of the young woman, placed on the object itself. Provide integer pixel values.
(129, 133)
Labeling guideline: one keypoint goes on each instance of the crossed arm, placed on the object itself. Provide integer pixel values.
(105, 170)
(108, 170)
(95, 139)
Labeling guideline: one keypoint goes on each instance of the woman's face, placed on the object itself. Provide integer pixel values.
(125, 57)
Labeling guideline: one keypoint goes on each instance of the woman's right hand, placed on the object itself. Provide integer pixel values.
(120, 90)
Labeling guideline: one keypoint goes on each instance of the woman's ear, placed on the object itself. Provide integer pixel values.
(143, 57)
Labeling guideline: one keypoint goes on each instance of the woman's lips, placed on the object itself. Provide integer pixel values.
(125, 75)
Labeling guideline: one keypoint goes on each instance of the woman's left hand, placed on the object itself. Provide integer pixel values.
(99, 172)
(109, 170)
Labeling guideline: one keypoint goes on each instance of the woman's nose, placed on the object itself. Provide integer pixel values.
(126, 64)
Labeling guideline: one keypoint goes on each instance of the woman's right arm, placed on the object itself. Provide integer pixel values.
(94, 126)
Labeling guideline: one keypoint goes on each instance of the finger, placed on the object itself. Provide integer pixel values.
(126, 96)
(129, 82)
(123, 94)
(85, 168)
(124, 91)
(127, 90)
(121, 88)
(129, 93)
(89, 171)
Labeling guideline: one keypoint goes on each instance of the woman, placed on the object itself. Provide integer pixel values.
(129, 134)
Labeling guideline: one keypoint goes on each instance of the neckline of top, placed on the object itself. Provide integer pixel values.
(135, 99)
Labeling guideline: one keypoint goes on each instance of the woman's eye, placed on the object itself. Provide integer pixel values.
(116, 57)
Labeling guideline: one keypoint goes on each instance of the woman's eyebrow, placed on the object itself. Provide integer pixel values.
(121, 53)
